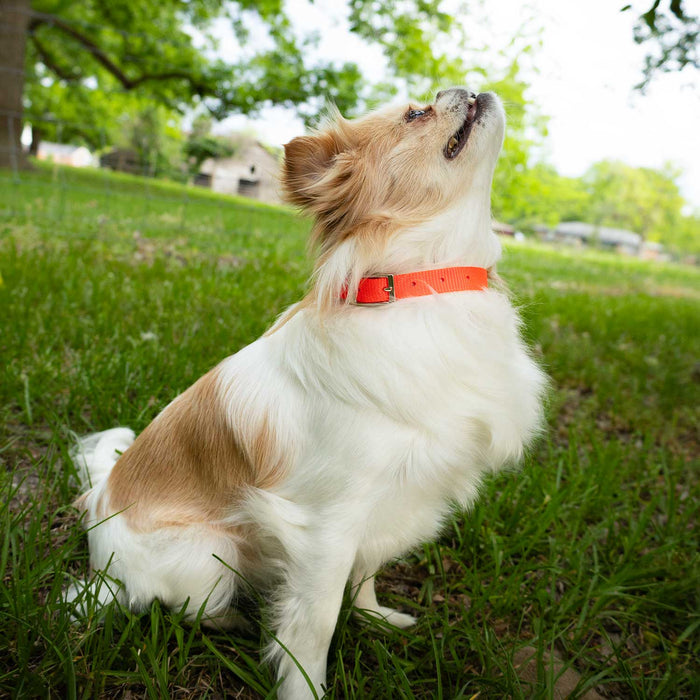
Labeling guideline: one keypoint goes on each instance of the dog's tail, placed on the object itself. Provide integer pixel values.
(95, 455)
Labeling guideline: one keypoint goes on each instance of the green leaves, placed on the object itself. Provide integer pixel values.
(94, 47)
(411, 36)
(642, 200)
(670, 36)
(149, 47)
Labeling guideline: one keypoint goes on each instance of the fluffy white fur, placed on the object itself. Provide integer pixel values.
(384, 418)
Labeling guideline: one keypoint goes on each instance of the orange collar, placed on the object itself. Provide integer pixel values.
(385, 288)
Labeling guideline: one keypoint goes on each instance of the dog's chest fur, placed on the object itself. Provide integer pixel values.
(403, 408)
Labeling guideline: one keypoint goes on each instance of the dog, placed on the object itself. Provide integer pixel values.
(346, 434)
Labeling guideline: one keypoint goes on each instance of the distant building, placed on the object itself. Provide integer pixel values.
(502, 229)
(66, 154)
(578, 233)
(253, 171)
(124, 160)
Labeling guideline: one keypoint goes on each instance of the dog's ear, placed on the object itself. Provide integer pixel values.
(307, 159)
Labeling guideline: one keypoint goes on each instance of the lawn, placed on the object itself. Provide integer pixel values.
(577, 573)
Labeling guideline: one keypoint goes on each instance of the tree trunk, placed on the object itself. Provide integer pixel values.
(14, 19)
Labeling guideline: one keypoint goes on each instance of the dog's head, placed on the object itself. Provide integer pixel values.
(399, 166)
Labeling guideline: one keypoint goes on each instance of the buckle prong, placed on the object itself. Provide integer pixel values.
(390, 287)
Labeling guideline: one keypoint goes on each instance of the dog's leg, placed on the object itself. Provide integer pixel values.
(307, 613)
(365, 599)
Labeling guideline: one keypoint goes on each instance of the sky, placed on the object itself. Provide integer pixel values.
(581, 76)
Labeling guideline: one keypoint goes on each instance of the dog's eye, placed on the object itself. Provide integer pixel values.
(414, 114)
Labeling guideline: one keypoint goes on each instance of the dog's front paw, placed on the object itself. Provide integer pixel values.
(389, 616)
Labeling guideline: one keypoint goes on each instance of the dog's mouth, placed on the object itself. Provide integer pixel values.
(458, 140)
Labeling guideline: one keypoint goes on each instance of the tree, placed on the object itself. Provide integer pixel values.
(538, 195)
(79, 55)
(671, 36)
(643, 200)
(153, 133)
(201, 144)
(76, 113)
(14, 19)
(685, 237)
(525, 192)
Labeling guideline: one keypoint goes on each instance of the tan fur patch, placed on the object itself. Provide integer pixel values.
(188, 465)
(359, 177)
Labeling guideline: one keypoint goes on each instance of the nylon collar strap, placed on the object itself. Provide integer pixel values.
(385, 288)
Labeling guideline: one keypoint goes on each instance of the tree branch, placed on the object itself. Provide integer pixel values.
(50, 62)
(106, 62)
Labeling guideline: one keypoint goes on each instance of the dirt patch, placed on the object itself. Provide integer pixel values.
(549, 673)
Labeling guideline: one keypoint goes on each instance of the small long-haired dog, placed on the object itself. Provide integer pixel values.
(347, 434)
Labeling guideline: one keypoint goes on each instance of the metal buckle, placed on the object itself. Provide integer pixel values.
(389, 288)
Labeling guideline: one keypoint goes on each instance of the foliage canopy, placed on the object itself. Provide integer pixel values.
(670, 35)
(85, 57)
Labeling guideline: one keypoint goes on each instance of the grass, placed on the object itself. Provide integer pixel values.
(118, 293)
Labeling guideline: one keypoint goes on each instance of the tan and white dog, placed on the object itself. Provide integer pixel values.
(346, 434)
